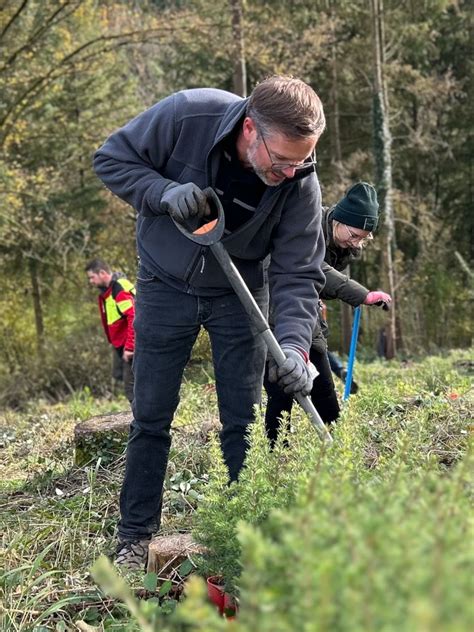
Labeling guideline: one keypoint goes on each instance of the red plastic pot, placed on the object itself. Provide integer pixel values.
(215, 590)
(224, 601)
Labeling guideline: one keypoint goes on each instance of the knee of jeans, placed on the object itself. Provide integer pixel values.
(235, 429)
(151, 421)
(152, 429)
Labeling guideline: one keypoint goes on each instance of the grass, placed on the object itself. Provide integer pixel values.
(57, 519)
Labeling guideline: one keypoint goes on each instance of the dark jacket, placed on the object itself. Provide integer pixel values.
(180, 140)
(339, 285)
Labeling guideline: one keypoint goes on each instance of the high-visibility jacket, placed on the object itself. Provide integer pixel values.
(117, 310)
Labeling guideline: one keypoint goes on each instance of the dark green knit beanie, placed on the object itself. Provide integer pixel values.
(359, 207)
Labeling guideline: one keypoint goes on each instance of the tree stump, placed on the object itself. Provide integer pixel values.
(103, 436)
(167, 552)
(200, 431)
(208, 427)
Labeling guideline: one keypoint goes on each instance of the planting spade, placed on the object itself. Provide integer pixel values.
(209, 234)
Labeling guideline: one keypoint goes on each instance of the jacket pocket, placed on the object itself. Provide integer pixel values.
(144, 276)
(165, 249)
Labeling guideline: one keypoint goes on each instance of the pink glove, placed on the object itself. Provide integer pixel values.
(378, 298)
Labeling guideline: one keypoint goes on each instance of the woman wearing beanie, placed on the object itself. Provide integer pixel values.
(347, 226)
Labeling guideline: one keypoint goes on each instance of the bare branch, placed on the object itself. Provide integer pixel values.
(464, 264)
(14, 17)
(407, 223)
(131, 38)
(43, 29)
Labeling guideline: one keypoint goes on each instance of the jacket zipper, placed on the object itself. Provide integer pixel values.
(200, 260)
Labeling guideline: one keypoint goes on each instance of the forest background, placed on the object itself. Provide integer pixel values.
(394, 81)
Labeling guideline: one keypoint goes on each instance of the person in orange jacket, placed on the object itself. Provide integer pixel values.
(117, 310)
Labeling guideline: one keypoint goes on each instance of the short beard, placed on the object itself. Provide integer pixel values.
(261, 173)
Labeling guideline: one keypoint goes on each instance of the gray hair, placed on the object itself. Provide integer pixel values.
(288, 105)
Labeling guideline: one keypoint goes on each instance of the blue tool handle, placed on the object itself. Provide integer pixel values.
(352, 352)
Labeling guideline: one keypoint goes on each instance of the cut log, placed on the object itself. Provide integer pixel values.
(103, 436)
(167, 552)
(208, 427)
(200, 431)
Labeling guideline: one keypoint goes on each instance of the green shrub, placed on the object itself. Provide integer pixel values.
(372, 534)
(268, 481)
(394, 554)
(387, 549)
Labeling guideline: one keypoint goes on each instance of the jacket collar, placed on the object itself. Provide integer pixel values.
(234, 115)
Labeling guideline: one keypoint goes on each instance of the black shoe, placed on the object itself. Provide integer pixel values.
(132, 555)
(354, 385)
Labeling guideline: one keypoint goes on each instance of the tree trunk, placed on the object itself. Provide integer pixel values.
(37, 306)
(336, 153)
(336, 162)
(383, 160)
(240, 70)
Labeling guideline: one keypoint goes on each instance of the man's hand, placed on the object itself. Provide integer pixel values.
(127, 355)
(184, 201)
(295, 375)
(378, 298)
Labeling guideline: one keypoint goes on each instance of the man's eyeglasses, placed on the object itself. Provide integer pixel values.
(357, 239)
(281, 166)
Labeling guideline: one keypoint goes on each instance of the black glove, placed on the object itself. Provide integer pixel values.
(184, 201)
(295, 375)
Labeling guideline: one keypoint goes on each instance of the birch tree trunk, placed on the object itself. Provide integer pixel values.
(240, 68)
(383, 161)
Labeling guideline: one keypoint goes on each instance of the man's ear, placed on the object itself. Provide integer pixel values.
(249, 129)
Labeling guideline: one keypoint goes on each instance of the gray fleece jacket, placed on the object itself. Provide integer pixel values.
(180, 140)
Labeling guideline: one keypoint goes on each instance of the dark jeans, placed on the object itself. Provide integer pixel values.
(122, 372)
(323, 396)
(336, 365)
(167, 323)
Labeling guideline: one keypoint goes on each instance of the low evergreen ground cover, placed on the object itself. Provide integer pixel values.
(372, 534)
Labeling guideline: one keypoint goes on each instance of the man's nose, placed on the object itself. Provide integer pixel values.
(289, 172)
